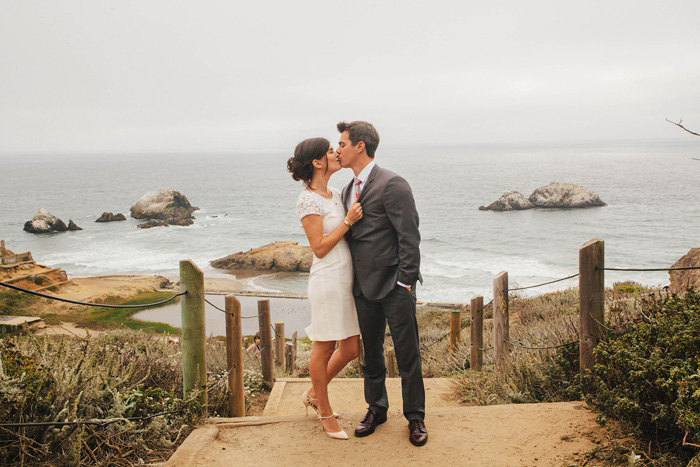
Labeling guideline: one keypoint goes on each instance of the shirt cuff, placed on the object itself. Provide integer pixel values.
(403, 285)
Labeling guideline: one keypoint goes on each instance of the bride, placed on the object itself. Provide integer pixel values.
(333, 314)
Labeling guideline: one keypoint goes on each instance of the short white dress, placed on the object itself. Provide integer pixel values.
(333, 313)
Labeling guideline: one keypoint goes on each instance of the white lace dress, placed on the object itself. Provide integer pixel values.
(333, 314)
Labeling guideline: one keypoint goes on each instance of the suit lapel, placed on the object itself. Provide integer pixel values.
(344, 195)
(368, 184)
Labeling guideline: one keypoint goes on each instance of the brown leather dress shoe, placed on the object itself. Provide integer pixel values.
(369, 423)
(418, 434)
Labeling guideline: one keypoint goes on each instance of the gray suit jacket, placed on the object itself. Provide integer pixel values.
(384, 243)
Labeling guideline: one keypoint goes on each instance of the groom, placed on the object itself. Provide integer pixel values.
(386, 259)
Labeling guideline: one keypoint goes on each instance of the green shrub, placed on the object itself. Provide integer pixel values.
(647, 372)
(629, 288)
(34, 386)
(15, 303)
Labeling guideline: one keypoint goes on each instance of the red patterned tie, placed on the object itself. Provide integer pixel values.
(357, 189)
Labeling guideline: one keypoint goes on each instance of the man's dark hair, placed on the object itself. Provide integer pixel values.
(361, 131)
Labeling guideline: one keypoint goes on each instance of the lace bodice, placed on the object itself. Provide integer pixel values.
(311, 203)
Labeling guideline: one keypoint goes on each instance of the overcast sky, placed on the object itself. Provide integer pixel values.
(157, 75)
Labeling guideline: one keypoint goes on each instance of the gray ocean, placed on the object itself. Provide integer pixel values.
(247, 199)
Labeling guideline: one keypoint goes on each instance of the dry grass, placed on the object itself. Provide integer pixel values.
(117, 374)
(537, 374)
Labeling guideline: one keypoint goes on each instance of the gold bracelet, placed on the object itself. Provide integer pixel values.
(347, 222)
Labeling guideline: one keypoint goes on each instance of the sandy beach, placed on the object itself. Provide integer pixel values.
(97, 289)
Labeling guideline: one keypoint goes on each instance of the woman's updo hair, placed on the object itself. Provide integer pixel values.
(305, 153)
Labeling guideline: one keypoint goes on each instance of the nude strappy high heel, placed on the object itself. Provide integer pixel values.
(309, 401)
(335, 435)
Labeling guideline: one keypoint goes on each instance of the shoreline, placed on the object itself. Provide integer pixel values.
(218, 286)
(98, 288)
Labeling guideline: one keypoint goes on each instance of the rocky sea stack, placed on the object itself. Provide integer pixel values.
(72, 225)
(554, 195)
(277, 257)
(44, 222)
(109, 217)
(169, 206)
(509, 201)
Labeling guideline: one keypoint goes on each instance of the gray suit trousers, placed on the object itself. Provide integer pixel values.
(398, 308)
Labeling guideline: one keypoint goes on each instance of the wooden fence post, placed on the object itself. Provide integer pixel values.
(455, 328)
(501, 332)
(194, 334)
(476, 310)
(279, 344)
(293, 363)
(234, 357)
(288, 358)
(268, 365)
(591, 289)
(390, 363)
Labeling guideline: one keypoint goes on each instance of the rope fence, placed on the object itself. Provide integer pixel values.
(591, 310)
(97, 422)
(549, 347)
(689, 268)
(228, 313)
(464, 326)
(544, 283)
(99, 305)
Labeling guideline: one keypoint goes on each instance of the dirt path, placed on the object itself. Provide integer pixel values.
(558, 434)
(502, 435)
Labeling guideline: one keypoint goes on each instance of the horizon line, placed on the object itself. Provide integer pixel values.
(238, 150)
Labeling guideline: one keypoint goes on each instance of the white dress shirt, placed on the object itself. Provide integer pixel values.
(362, 178)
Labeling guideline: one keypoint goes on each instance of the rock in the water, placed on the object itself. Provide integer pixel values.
(44, 222)
(181, 221)
(165, 223)
(554, 195)
(72, 226)
(509, 201)
(681, 280)
(153, 223)
(565, 195)
(109, 217)
(278, 257)
(168, 205)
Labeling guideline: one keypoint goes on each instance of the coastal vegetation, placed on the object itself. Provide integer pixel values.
(645, 383)
(648, 374)
(116, 375)
(13, 303)
(644, 386)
